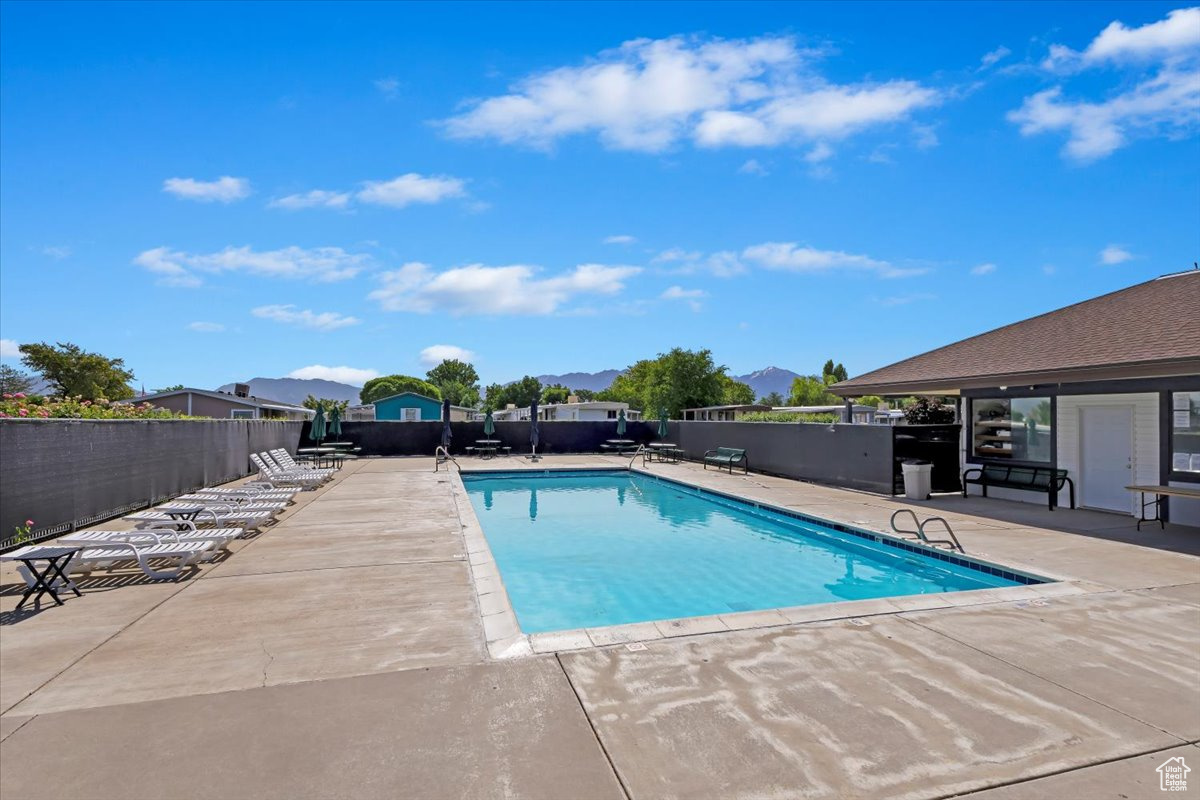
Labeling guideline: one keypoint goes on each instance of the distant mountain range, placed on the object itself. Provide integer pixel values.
(771, 379)
(294, 390)
(592, 381)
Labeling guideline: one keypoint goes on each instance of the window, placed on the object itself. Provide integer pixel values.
(412, 414)
(242, 413)
(1185, 432)
(612, 414)
(1014, 429)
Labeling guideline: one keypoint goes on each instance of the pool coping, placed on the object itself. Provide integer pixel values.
(505, 639)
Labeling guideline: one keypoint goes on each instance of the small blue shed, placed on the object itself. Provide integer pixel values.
(408, 407)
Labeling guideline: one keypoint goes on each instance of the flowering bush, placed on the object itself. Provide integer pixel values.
(22, 406)
(22, 532)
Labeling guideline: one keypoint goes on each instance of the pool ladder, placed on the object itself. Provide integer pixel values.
(442, 455)
(919, 531)
(641, 449)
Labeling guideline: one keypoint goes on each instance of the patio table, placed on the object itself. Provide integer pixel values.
(487, 447)
(667, 453)
(57, 558)
(181, 512)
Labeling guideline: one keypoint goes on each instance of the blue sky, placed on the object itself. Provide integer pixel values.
(219, 191)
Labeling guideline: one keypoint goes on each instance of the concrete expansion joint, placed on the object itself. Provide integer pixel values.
(270, 661)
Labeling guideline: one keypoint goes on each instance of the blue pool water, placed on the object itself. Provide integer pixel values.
(584, 549)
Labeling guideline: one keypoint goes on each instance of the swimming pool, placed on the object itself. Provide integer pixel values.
(588, 548)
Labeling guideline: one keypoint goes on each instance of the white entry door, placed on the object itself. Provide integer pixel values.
(1106, 457)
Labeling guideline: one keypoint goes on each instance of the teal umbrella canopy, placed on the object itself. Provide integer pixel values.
(317, 431)
(662, 424)
(489, 424)
(335, 421)
(621, 422)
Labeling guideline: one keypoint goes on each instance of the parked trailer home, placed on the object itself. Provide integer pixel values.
(1107, 389)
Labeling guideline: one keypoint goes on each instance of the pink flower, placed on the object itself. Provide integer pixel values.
(29, 522)
(24, 412)
(7, 396)
(86, 402)
(19, 395)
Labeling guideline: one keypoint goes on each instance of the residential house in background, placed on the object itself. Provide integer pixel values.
(571, 411)
(1107, 389)
(224, 405)
(722, 413)
(413, 407)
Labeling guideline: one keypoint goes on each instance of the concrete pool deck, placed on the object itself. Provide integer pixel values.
(342, 652)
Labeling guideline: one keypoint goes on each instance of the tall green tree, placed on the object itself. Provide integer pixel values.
(833, 373)
(676, 380)
(13, 381)
(457, 381)
(520, 393)
(555, 394)
(312, 402)
(809, 390)
(388, 385)
(774, 399)
(585, 395)
(73, 371)
(735, 393)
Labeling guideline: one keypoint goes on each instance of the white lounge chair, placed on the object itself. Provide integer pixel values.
(289, 465)
(111, 553)
(223, 517)
(218, 538)
(281, 499)
(304, 480)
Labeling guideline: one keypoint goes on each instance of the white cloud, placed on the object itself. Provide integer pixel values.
(317, 198)
(692, 296)
(676, 254)
(680, 293)
(648, 94)
(621, 238)
(223, 190)
(791, 257)
(1159, 61)
(1114, 254)
(290, 315)
(991, 58)
(350, 375)
(983, 269)
(752, 167)
(411, 188)
(389, 87)
(437, 353)
(206, 327)
(904, 299)
(1177, 33)
(56, 251)
(318, 264)
(481, 290)
(9, 348)
(822, 152)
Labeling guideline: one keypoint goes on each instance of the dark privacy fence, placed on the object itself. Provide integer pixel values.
(70, 473)
(864, 457)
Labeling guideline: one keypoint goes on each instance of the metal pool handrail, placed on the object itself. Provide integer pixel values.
(919, 532)
(438, 454)
(641, 448)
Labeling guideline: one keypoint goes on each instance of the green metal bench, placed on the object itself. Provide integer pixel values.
(1032, 479)
(727, 457)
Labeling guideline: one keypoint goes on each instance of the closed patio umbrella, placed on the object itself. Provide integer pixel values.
(335, 421)
(317, 431)
(489, 424)
(621, 422)
(662, 424)
(446, 432)
(533, 429)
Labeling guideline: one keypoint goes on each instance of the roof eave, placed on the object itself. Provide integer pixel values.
(952, 385)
